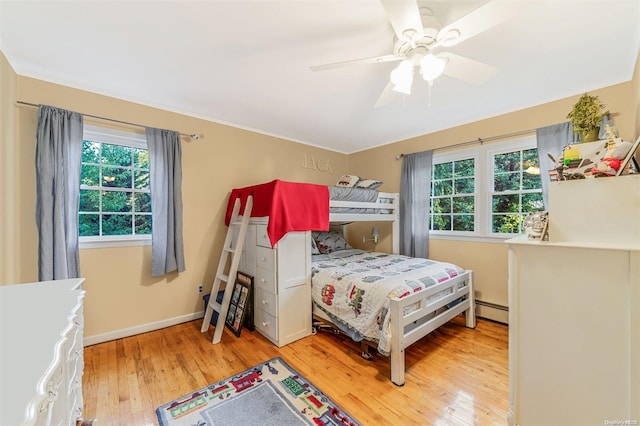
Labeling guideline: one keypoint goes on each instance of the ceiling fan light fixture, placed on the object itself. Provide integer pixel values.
(431, 67)
(402, 77)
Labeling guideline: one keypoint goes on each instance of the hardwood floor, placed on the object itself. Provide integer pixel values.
(455, 376)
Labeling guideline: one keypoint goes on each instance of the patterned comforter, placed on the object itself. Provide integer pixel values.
(354, 288)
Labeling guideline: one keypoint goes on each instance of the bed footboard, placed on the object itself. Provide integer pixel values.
(430, 313)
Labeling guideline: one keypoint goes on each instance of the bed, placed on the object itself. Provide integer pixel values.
(388, 301)
(408, 310)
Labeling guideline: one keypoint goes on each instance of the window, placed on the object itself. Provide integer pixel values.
(484, 191)
(515, 192)
(453, 196)
(115, 197)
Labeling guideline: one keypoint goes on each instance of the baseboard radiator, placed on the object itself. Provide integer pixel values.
(492, 311)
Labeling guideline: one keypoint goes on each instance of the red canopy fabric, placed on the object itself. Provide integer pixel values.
(290, 206)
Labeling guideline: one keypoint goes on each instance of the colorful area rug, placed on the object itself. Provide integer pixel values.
(271, 393)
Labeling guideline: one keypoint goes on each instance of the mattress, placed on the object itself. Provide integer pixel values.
(337, 193)
(354, 289)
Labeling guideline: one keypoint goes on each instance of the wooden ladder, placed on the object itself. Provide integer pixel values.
(229, 278)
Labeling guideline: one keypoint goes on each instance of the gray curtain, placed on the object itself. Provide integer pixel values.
(165, 163)
(415, 190)
(551, 140)
(58, 165)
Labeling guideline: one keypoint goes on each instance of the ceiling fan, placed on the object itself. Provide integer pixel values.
(418, 34)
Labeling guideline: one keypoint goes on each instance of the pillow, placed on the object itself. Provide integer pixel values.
(348, 181)
(314, 247)
(368, 183)
(331, 241)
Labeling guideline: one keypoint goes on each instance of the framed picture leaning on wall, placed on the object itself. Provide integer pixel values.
(240, 309)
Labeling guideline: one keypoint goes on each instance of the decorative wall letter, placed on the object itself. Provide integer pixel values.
(318, 164)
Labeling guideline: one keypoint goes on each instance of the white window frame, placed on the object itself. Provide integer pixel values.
(458, 155)
(123, 138)
(483, 153)
(520, 144)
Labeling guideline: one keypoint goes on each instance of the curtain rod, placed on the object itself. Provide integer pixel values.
(193, 136)
(480, 140)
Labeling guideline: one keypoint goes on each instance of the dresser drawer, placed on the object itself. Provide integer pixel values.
(266, 324)
(266, 258)
(266, 301)
(262, 238)
(266, 280)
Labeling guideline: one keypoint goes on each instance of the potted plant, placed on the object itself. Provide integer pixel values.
(586, 116)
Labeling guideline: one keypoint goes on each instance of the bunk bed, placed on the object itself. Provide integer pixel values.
(427, 295)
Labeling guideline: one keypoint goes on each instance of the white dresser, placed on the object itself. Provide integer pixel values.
(574, 309)
(41, 360)
(282, 282)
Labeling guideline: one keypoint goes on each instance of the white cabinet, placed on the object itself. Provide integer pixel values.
(282, 282)
(42, 359)
(574, 310)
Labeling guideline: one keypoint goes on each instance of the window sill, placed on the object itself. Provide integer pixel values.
(472, 238)
(113, 242)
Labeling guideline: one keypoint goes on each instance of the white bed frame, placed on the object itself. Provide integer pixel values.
(430, 314)
(386, 200)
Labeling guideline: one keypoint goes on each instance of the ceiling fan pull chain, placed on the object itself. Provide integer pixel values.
(430, 84)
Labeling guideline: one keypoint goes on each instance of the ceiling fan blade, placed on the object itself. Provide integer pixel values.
(405, 18)
(466, 69)
(486, 16)
(385, 58)
(386, 97)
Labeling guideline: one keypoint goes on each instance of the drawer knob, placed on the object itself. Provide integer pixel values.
(264, 324)
(264, 302)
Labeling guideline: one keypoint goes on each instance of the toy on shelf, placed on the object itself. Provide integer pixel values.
(613, 158)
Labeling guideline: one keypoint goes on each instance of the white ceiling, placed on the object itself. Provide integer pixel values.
(247, 63)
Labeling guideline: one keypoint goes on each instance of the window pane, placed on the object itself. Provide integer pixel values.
(464, 167)
(142, 201)
(463, 204)
(116, 201)
(463, 222)
(532, 202)
(442, 187)
(90, 175)
(89, 200)
(506, 203)
(508, 162)
(116, 155)
(443, 171)
(90, 152)
(530, 181)
(116, 224)
(441, 222)
(143, 224)
(141, 180)
(507, 223)
(141, 158)
(464, 186)
(116, 177)
(441, 205)
(89, 225)
(530, 158)
(507, 182)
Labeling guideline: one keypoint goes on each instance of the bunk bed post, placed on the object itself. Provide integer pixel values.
(470, 313)
(395, 235)
(397, 348)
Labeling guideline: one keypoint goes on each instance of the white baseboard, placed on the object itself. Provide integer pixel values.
(139, 329)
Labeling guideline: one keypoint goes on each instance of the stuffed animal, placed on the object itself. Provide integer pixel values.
(612, 160)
